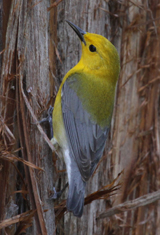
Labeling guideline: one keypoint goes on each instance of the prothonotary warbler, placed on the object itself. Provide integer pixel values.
(83, 110)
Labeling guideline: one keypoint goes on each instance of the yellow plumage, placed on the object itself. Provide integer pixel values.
(83, 110)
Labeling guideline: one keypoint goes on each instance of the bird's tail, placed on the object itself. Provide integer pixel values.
(75, 200)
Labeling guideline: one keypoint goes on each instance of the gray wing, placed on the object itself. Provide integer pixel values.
(86, 139)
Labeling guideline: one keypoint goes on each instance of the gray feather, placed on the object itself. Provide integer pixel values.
(75, 200)
(86, 139)
(86, 144)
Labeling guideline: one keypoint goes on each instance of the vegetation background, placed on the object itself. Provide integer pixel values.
(37, 48)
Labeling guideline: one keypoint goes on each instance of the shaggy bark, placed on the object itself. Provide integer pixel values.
(25, 73)
(38, 49)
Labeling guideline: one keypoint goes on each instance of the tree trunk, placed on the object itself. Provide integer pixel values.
(25, 80)
(39, 49)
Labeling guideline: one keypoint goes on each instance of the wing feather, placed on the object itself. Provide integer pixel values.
(86, 139)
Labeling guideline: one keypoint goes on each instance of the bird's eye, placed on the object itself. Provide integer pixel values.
(92, 48)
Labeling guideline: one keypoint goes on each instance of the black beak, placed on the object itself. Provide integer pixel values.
(78, 31)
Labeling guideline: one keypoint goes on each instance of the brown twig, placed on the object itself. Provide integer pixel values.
(150, 82)
(103, 193)
(55, 4)
(16, 219)
(34, 184)
(10, 157)
(36, 121)
(115, 15)
(130, 205)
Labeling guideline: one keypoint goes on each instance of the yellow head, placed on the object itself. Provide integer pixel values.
(99, 56)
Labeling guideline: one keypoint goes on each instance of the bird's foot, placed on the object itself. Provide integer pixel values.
(49, 120)
(56, 195)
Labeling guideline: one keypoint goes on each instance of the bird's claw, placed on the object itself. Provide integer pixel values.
(49, 120)
(56, 194)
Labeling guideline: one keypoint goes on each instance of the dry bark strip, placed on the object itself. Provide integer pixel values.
(132, 204)
(18, 218)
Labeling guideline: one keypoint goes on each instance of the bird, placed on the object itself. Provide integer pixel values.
(82, 112)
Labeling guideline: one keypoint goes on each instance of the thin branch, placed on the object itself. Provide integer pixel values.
(18, 218)
(130, 205)
(115, 15)
(34, 184)
(10, 157)
(55, 4)
(150, 82)
(103, 193)
(35, 120)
